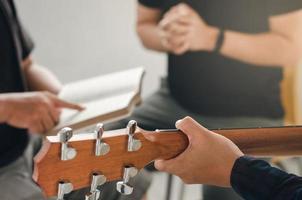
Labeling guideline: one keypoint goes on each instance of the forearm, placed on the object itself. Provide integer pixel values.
(256, 179)
(41, 79)
(4, 108)
(266, 49)
(150, 36)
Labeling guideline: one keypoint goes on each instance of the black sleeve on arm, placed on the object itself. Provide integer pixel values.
(152, 3)
(256, 179)
(26, 42)
(279, 7)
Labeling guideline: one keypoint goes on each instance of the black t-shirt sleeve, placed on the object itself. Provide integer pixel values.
(27, 44)
(152, 3)
(278, 7)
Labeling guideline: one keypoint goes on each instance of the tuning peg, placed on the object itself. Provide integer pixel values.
(124, 187)
(101, 148)
(64, 188)
(67, 153)
(133, 144)
(97, 180)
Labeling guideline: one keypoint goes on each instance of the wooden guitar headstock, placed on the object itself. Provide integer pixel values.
(68, 162)
(73, 160)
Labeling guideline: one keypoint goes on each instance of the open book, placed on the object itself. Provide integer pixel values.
(106, 98)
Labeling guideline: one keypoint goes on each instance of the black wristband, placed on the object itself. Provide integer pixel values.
(219, 42)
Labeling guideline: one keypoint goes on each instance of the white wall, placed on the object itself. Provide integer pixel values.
(78, 39)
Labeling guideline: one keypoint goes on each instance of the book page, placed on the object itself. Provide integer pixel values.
(102, 95)
(102, 86)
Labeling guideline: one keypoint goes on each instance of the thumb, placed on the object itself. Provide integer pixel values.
(190, 127)
(165, 165)
(160, 165)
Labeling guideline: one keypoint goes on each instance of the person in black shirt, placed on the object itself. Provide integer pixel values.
(225, 62)
(240, 78)
(215, 160)
(28, 104)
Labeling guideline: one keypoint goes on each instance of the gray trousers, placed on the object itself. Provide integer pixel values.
(16, 181)
(161, 111)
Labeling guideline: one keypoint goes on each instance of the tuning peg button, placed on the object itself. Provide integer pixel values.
(67, 153)
(101, 148)
(124, 187)
(97, 180)
(133, 143)
(64, 188)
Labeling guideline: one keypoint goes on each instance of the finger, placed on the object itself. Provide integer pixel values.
(190, 127)
(175, 43)
(176, 40)
(185, 20)
(160, 165)
(172, 166)
(52, 109)
(64, 104)
(54, 114)
(177, 28)
(182, 49)
(169, 166)
(165, 22)
(184, 9)
(172, 11)
(166, 44)
(47, 121)
(36, 128)
(171, 16)
(163, 38)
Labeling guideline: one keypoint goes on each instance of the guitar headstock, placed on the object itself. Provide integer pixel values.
(68, 162)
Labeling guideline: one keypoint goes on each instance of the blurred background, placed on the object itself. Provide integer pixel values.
(92, 38)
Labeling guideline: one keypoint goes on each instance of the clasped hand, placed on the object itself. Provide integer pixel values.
(182, 29)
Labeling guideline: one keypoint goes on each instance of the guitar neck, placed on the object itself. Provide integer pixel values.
(276, 141)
